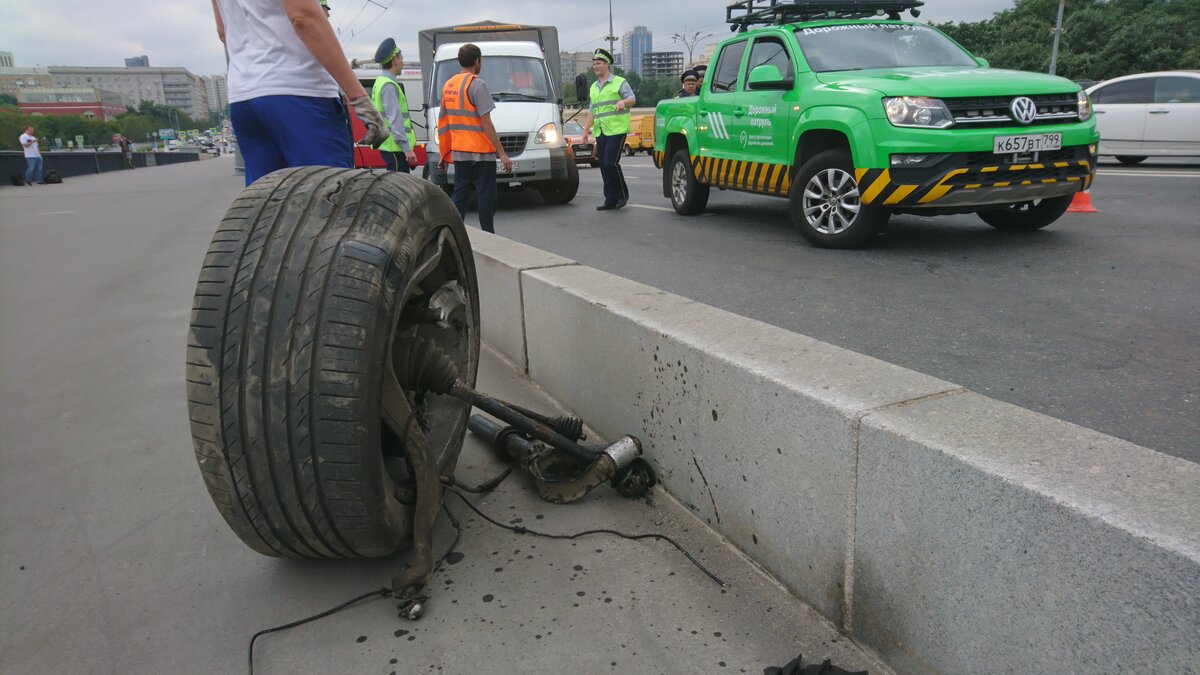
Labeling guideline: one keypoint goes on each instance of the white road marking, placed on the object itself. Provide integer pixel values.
(53, 213)
(1149, 174)
(661, 208)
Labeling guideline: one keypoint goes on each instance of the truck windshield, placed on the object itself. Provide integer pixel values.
(860, 46)
(508, 78)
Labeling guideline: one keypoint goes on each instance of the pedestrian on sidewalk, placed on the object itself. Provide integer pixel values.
(33, 157)
(285, 68)
(389, 99)
(608, 120)
(126, 151)
(467, 138)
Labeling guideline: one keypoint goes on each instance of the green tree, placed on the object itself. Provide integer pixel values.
(1101, 39)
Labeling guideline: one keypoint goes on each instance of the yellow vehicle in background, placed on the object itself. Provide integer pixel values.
(641, 135)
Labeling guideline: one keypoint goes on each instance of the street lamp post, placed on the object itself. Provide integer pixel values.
(1057, 33)
(690, 40)
(610, 37)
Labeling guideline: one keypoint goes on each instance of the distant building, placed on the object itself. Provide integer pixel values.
(705, 57)
(662, 64)
(175, 87)
(6, 60)
(13, 80)
(87, 101)
(634, 45)
(217, 88)
(142, 61)
(574, 63)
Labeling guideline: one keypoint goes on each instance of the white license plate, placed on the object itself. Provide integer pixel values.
(500, 168)
(1007, 145)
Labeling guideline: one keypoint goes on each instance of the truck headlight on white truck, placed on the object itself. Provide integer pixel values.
(917, 111)
(548, 134)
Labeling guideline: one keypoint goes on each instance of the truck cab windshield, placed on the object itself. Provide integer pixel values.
(861, 46)
(508, 78)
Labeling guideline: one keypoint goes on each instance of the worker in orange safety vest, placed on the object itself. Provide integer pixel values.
(467, 139)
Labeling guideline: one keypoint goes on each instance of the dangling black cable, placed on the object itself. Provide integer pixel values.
(517, 529)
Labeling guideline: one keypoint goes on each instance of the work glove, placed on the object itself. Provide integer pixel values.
(377, 129)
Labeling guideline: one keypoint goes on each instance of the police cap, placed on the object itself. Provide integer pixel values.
(387, 51)
(603, 55)
(689, 76)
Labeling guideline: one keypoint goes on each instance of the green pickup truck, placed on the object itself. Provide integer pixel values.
(853, 115)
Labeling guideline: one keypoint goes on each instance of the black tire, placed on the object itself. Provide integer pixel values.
(1130, 160)
(1027, 216)
(629, 151)
(312, 276)
(844, 223)
(561, 191)
(688, 195)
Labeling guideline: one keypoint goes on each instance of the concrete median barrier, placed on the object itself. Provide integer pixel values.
(944, 530)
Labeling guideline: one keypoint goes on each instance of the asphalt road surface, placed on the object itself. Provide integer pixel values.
(1094, 320)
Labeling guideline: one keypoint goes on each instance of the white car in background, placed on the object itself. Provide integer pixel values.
(1148, 114)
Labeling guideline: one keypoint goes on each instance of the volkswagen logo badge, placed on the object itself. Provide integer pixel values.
(1024, 110)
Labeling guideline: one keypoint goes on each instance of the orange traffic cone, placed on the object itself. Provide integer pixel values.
(1082, 203)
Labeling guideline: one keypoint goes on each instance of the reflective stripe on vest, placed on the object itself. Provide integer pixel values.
(390, 145)
(606, 119)
(459, 127)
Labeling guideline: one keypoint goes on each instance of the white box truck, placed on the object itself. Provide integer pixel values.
(521, 70)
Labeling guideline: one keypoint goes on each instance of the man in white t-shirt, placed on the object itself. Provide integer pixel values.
(285, 69)
(33, 157)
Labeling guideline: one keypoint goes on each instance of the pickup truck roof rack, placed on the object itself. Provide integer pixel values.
(745, 14)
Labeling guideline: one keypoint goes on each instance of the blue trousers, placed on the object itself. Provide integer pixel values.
(608, 152)
(481, 175)
(396, 161)
(33, 170)
(278, 132)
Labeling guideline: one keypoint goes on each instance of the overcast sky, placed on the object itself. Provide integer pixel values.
(182, 33)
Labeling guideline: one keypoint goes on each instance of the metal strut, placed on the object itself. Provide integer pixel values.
(547, 448)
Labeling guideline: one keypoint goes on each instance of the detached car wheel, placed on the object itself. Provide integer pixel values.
(688, 195)
(826, 204)
(314, 281)
(1026, 216)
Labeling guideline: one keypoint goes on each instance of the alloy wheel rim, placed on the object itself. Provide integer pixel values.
(679, 183)
(831, 201)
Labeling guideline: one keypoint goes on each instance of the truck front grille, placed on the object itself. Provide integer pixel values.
(513, 144)
(993, 111)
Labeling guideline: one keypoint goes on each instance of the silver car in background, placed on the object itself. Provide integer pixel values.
(1148, 114)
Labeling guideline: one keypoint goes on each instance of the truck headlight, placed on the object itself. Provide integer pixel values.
(1085, 106)
(917, 111)
(548, 134)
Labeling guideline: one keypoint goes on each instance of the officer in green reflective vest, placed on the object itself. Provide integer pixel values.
(389, 99)
(608, 120)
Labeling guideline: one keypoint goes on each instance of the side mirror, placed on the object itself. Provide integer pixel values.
(983, 63)
(581, 88)
(768, 77)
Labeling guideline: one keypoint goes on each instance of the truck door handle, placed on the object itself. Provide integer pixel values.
(1159, 112)
(738, 112)
(1101, 112)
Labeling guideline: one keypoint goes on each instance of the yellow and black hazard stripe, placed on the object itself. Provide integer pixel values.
(658, 159)
(733, 174)
(876, 185)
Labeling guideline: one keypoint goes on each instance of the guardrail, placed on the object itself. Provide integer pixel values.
(84, 162)
(944, 530)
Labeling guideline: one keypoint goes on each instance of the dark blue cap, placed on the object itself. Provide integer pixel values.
(386, 52)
